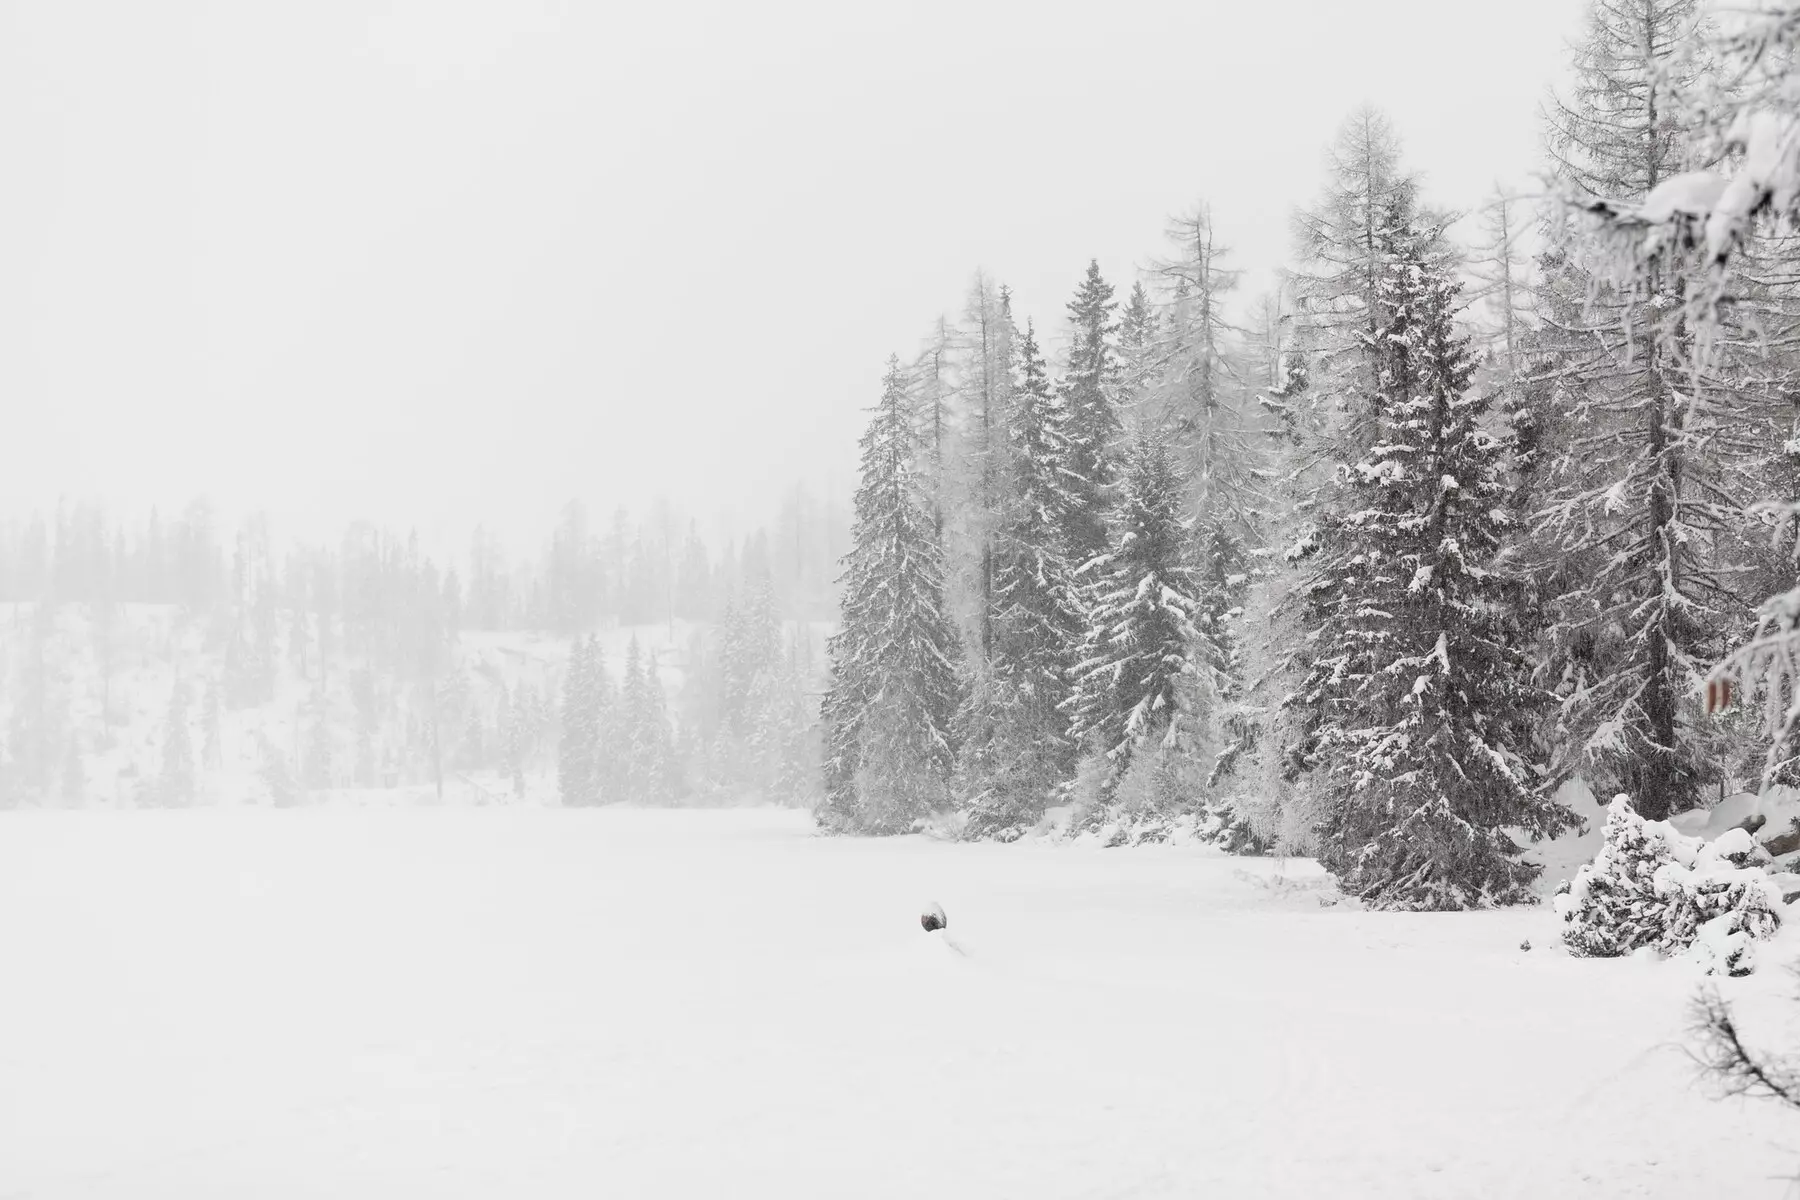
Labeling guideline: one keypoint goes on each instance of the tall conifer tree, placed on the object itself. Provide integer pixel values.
(1090, 397)
(894, 687)
(1421, 700)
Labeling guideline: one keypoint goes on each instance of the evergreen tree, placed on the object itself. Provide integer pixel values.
(751, 643)
(1421, 700)
(603, 732)
(514, 717)
(894, 689)
(575, 573)
(781, 743)
(1145, 659)
(362, 694)
(576, 767)
(316, 767)
(250, 656)
(663, 775)
(648, 740)
(1140, 350)
(634, 705)
(474, 748)
(694, 579)
(175, 787)
(1090, 397)
(35, 716)
(211, 752)
(1324, 379)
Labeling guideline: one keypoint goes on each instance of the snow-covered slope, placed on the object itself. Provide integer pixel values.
(220, 1003)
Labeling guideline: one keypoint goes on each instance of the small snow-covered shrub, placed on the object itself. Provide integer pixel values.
(1653, 886)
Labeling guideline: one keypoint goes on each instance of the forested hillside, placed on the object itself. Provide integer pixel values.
(170, 664)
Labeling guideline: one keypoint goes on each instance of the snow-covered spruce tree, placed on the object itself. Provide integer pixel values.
(576, 769)
(1017, 749)
(1421, 703)
(515, 716)
(777, 738)
(740, 685)
(368, 723)
(604, 730)
(666, 780)
(750, 646)
(642, 745)
(250, 655)
(1140, 351)
(175, 787)
(894, 686)
(1090, 396)
(315, 765)
(841, 722)
(1639, 493)
(1319, 383)
(1146, 660)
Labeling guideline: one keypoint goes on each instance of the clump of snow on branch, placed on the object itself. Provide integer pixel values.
(1705, 217)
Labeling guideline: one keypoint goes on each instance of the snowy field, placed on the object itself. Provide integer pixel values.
(536, 1003)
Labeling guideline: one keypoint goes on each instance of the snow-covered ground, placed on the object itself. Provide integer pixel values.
(537, 1003)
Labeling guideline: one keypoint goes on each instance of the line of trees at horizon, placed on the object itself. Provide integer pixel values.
(368, 657)
(629, 570)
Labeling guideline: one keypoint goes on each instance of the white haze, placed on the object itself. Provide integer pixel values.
(442, 262)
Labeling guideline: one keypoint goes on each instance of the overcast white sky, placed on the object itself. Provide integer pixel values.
(442, 261)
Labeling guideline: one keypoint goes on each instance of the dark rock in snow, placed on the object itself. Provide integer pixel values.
(1783, 843)
(933, 918)
(1525, 945)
